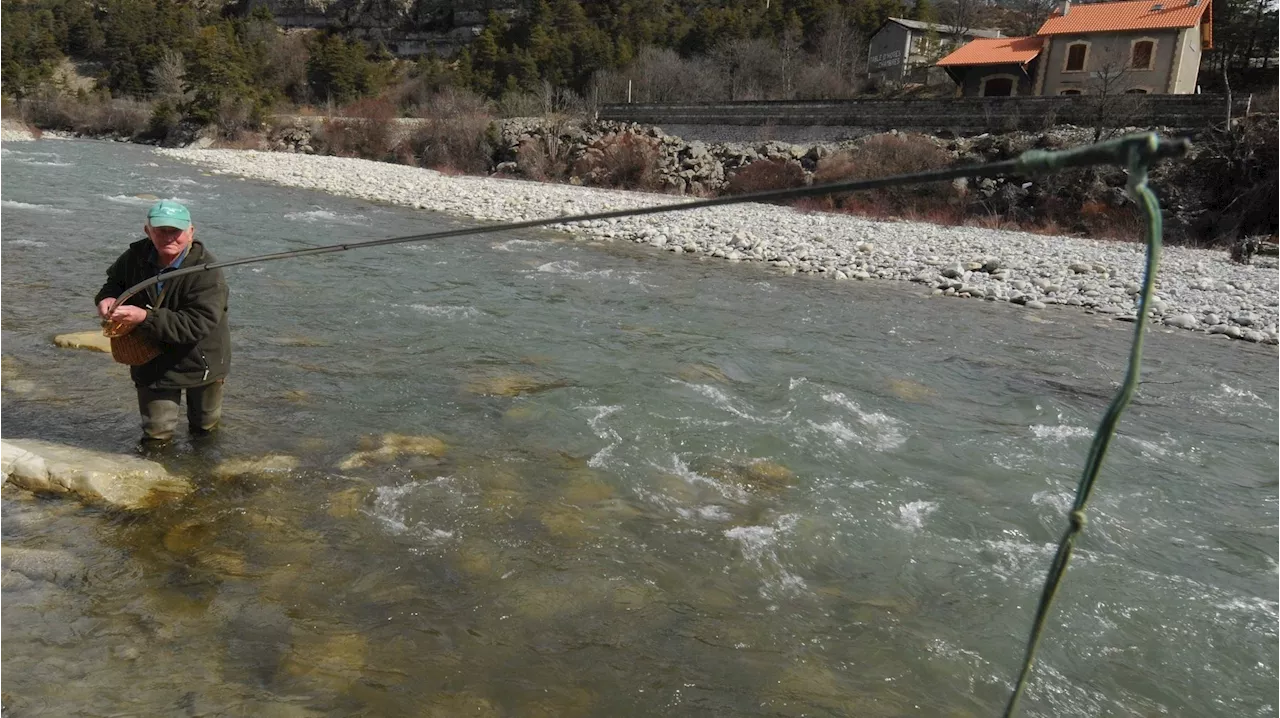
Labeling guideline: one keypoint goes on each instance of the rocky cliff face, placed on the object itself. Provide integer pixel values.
(406, 27)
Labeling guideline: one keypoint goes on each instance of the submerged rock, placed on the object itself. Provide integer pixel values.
(93, 341)
(910, 390)
(449, 705)
(346, 503)
(702, 372)
(113, 480)
(565, 523)
(271, 463)
(41, 565)
(395, 446)
(755, 475)
(585, 488)
(512, 385)
(335, 662)
(477, 557)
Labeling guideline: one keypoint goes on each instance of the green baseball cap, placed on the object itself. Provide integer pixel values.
(167, 213)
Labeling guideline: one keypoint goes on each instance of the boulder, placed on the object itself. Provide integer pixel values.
(93, 341)
(115, 481)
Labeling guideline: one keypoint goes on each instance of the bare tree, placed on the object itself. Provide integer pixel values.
(842, 47)
(791, 57)
(1026, 16)
(286, 65)
(822, 82)
(168, 78)
(661, 75)
(1113, 98)
(961, 15)
(750, 68)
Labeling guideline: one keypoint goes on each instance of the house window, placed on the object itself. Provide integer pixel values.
(1071, 92)
(1077, 52)
(1143, 56)
(1137, 91)
(997, 86)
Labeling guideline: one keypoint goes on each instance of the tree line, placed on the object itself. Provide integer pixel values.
(206, 61)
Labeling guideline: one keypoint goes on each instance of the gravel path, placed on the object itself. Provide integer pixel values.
(1197, 289)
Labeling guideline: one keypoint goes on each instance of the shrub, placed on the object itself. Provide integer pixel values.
(1099, 219)
(623, 160)
(90, 114)
(1266, 102)
(764, 175)
(244, 140)
(883, 156)
(165, 118)
(451, 133)
(544, 153)
(453, 102)
(1235, 179)
(451, 144)
(519, 104)
(234, 116)
(364, 129)
(124, 118)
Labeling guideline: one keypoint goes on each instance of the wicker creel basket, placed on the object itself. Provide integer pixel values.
(127, 346)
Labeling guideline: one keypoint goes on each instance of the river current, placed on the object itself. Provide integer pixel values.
(669, 485)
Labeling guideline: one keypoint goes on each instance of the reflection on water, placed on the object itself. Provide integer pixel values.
(522, 476)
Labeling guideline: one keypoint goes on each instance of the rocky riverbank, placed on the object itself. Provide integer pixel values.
(15, 131)
(1198, 290)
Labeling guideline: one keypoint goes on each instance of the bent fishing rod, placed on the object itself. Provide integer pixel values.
(1032, 162)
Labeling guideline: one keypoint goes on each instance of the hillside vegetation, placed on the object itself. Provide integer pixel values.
(167, 71)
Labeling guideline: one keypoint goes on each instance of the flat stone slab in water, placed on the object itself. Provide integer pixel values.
(94, 341)
(114, 480)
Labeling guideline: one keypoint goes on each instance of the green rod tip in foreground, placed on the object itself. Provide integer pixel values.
(1136, 153)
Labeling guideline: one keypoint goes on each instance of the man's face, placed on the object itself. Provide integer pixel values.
(170, 241)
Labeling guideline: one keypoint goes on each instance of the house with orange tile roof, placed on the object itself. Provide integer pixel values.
(1132, 46)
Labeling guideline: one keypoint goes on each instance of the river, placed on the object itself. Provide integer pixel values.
(671, 486)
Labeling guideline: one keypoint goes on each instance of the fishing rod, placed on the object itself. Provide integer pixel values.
(1114, 152)
(1135, 153)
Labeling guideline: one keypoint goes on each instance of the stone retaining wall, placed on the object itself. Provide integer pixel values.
(952, 114)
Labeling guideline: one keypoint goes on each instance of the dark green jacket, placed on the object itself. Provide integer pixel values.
(190, 324)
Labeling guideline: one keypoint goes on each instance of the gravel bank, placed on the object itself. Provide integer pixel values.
(1198, 289)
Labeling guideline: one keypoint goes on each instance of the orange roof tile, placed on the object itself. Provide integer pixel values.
(995, 51)
(1122, 16)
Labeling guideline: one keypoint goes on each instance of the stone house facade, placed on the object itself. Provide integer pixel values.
(1134, 47)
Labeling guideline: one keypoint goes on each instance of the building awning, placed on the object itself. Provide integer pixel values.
(994, 51)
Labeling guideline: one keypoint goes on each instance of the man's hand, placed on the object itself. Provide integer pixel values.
(128, 314)
(104, 307)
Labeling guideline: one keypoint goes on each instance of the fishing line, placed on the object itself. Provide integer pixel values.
(1028, 163)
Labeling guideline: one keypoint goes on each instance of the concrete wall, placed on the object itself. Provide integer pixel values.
(1187, 70)
(960, 114)
(887, 53)
(1108, 51)
(898, 54)
(972, 77)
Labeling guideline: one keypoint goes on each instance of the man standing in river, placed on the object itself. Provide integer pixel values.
(186, 318)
